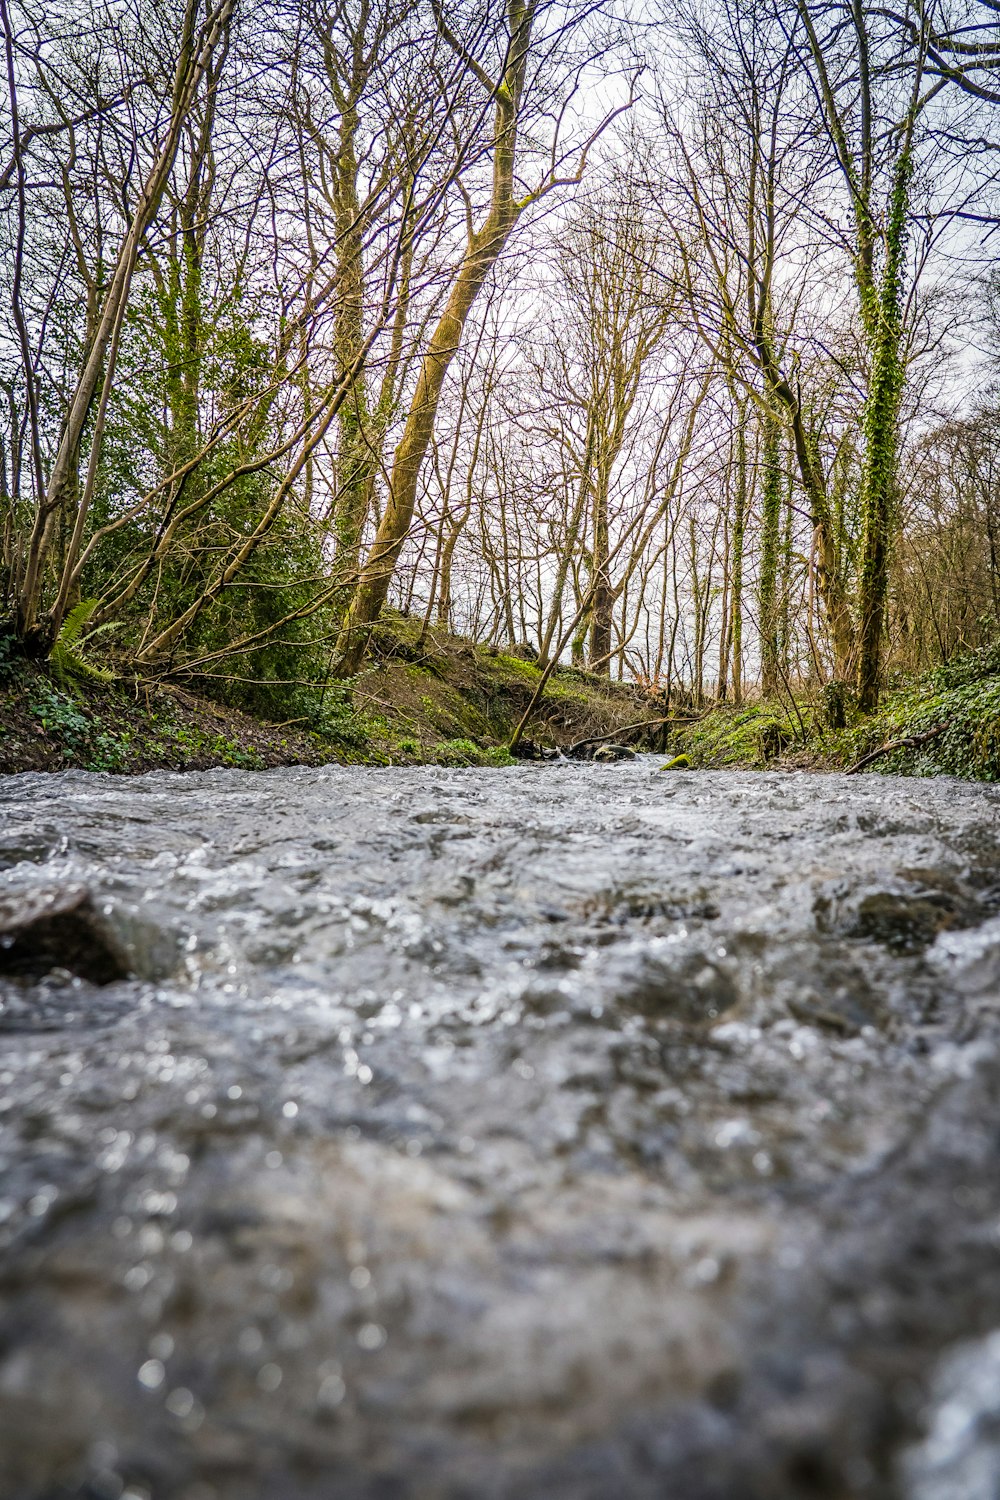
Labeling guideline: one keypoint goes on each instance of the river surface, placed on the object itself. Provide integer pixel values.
(567, 1132)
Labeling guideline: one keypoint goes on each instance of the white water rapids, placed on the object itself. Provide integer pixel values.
(566, 1132)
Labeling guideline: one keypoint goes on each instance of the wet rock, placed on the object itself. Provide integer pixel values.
(608, 754)
(530, 750)
(659, 907)
(959, 1457)
(903, 914)
(599, 752)
(59, 928)
(670, 981)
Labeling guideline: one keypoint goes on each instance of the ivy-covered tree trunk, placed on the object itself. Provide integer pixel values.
(863, 149)
(770, 526)
(787, 573)
(736, 564)
(881, 421)
(357, 452)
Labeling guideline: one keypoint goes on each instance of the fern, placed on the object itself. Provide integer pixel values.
(66, 657)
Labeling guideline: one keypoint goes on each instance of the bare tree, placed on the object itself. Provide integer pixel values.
(509, 97)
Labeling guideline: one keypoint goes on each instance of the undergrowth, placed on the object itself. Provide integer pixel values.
(96, 738)
(952, 713)
(466, 753)
(959, 704)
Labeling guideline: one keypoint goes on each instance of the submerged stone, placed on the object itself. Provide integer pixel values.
(904, 914)
(58, 927)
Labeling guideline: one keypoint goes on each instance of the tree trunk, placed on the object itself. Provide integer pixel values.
(356, 459)
(483, 249)
(878, 478)
(738, 543)
(603, 595)
(569, 548)
(770, 521)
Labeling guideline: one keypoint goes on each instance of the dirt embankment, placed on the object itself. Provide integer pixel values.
(434, 697)
(46, 725)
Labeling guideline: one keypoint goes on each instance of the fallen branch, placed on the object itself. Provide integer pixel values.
(599, 739)
(906, 743)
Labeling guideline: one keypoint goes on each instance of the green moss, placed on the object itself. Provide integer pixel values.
(751, 736)
(515, 666)
(569, 692)
(467, 753)
(443, 693)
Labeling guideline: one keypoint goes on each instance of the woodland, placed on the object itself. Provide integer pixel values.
(659, 339)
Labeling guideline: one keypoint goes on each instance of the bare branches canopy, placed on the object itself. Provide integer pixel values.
(660, 341)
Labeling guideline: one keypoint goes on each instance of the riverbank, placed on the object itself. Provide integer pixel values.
(431, 698)
(944, 723)
(436, 698)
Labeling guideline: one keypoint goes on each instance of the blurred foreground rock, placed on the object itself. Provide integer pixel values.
(58, 927)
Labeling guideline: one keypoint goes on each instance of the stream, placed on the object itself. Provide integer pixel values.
(567, 1132)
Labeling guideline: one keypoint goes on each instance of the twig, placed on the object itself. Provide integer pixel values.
(904, 744)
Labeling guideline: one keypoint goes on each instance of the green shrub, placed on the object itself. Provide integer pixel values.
(11, 659)
(465, 753)
(60, 715)
(110, 751)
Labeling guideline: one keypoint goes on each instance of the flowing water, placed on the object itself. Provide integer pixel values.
(567, 1132)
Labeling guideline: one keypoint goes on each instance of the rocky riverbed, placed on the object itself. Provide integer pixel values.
(555, 1133)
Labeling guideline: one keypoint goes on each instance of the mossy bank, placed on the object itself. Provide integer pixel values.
(943, 723)
(432, 697)
(421, 697)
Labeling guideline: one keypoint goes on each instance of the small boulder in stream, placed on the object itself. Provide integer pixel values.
(58, 927)
(608, 754)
